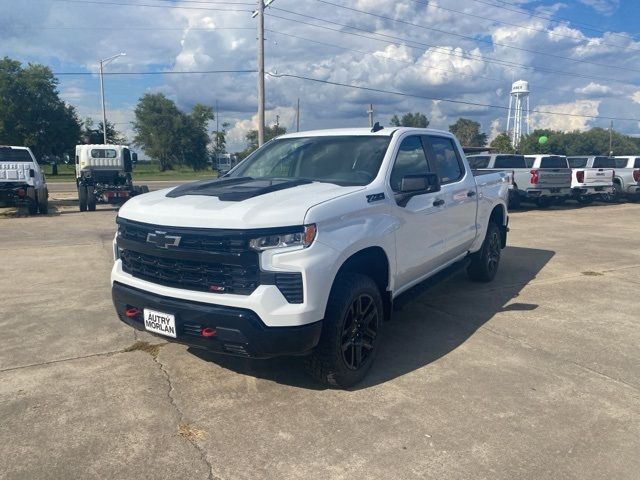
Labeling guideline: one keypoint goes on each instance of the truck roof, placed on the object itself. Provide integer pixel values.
(385, 132)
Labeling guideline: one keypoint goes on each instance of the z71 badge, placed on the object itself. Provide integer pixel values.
(375, 197)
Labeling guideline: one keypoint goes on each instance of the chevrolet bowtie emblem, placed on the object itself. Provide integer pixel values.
(162, 240)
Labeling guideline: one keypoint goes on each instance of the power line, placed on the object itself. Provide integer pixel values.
(447, 100)
(436, 48)
(524, 27)
(467, 37)
(167, 72)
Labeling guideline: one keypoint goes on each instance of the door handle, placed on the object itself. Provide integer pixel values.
(471, 193)
(437, 203)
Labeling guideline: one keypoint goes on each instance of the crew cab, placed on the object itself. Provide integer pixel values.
(303, 247)
(592, 177)
(22, 181)
(626, 181)
(540, 185)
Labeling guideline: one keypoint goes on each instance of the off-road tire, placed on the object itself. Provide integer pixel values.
(615, 195)
(43, 203)
(484, 264)
(82, 197)
(91, 200)
(329, 362)
(33, 201)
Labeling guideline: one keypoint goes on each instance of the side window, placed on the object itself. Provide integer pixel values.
(478, 161)
(636, 163)
(410, 160)
(444, 158)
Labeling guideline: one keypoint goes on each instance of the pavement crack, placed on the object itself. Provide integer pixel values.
(190, 438)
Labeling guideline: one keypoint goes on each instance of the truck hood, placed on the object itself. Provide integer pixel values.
(284, 207)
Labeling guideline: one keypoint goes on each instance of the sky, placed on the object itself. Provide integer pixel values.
(445, 58)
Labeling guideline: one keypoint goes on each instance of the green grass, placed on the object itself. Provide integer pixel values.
(141, 172)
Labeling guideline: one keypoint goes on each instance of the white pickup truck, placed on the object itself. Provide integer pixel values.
(592, 177)
(22, 181)
(303, 247)
(552, 174)
(626, 181)
(542, 184)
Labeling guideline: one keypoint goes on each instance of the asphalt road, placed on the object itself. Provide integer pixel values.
(69, 187)
(534, 376)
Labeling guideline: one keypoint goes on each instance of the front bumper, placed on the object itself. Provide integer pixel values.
(238, 331)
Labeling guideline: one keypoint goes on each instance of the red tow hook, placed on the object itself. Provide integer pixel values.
(131, 312)
(208, 332)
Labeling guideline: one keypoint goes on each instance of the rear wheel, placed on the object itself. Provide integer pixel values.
(91, 199)
(350, 332)
(32, 195)
(82, 197)
(484, 264)
(615, 194)
(43, 202)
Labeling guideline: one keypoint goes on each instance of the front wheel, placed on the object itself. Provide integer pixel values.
(484, 264)
(350, 332)
(43, 202)
(32, 195)
(91, 199)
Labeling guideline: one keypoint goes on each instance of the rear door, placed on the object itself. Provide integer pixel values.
(420, 237)
(458, 190)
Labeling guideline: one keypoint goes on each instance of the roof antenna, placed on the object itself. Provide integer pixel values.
(376, 127)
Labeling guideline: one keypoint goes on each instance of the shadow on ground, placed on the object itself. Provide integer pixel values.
(422, 331)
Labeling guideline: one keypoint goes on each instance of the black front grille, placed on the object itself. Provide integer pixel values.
(191, 275)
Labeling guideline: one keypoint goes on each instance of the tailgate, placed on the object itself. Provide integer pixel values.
(14, 171)
(554, 177)
(598, 177)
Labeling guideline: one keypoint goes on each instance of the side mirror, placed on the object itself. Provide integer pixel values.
(412, 185)
(32, 172)
(134, 157)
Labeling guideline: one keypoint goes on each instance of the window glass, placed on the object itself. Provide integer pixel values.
(478, 161)
(553, 162)
(621, 162)
(445, 159)
(604, 162)
(509, 161)
(103, 153)
(636, 163)
(14, 155)
(410, 160)
(529, 161)
(577, 162)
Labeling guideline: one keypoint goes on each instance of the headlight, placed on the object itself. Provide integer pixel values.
(303, 238)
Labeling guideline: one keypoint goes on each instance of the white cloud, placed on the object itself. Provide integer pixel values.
(635, 96)
(604, 7)
(593, 90)
(574, 115)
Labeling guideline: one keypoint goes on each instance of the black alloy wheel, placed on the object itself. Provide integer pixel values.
(359, 331)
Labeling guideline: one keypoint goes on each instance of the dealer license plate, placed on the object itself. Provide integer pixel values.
(159, 322)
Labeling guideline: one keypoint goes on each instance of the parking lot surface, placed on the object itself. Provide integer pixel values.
(535, 375)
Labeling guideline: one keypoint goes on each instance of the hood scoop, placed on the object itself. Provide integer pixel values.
(235, 189)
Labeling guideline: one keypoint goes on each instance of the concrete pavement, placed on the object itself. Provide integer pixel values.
(533, 376)
(70, 187)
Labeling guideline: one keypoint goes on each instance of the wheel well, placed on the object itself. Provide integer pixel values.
(498, 217)
(372, 262)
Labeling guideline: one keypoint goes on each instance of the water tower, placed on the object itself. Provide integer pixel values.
(518, 116)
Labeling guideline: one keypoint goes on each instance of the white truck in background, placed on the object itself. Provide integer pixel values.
(303, 248)
(592, 177)
(626, 181)
(541, 184)
(103, 175)
(22, 181)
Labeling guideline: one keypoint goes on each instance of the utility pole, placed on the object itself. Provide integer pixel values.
(260, 72)
(611, 138)
(277, 123)
(370, 112)
(103, 62)
(217, 127)
(298, 117)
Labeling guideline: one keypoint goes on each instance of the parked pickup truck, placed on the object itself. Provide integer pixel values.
(539, 185)
(592, 177)
(22, 182)
(626, 182)
(305, 245)
(551, 173)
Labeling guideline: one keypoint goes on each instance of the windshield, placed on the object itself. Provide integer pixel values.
(14, 155)
(343, 160)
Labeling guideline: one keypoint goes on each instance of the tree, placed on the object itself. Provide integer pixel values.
(409, 119)
(502, 144)
(468, 133)
(31, 111)
(92, 134)
(220, 139)
(252, 138)
(170, 136)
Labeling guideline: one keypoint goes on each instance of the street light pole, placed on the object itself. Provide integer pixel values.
(260, 72)
(103, 62)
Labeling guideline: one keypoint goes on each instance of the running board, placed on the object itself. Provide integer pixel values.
(408, 296)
